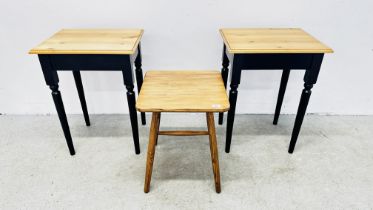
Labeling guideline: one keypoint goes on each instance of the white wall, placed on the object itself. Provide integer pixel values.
(184, 35)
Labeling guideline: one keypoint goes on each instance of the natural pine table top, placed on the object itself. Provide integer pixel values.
(271, 40)
(91, 41)
(182, 91)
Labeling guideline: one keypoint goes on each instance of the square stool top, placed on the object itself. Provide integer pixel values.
(271, 40)
(182, 91)
(91, 41)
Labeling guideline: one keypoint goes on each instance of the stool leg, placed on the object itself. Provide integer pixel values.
(159, 123)
(213, 150)
(151, 150)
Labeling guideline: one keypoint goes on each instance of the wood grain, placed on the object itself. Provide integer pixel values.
(182, 91)
(214, 150)
(91, 41)
(151, 150)
(271, 40)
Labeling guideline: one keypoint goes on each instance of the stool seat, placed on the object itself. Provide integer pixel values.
(183, 91)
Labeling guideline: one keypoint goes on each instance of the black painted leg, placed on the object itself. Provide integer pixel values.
(281, 93)
(62, 116)
(79, 87)
(133, 115)
(231, 113)
(224, 75)
(139, 79)
(310, 79)
(306, 93)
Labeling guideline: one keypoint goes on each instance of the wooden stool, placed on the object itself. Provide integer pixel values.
(182, 91)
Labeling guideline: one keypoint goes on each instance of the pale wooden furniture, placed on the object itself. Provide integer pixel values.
(91, 41)
(271, 49)
(92, 50)
(182, 91)
(194, 91)
(271, 40)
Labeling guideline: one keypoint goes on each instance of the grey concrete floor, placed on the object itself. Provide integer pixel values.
(331, 168)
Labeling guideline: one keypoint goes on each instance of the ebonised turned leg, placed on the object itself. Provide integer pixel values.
(237, 66)
(281, 93)
(128, 79)
(79, 87)
(304, 99)
(224, 75)
(139, 78)
(310, 79)
(62, 116)
(51, 78)
(231, 113)
(133, 115)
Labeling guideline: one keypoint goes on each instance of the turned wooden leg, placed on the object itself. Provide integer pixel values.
(310, 79)
(304, 99)
(133, 116)
(62, 116)
(224, 75)
(151, 150)
(231, 113)
(213, 150)
(79, 87)
(139, 78)
(51, 78)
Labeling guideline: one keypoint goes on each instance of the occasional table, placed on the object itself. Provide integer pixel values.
(271, 49)
(182, 91)
(92, 50)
